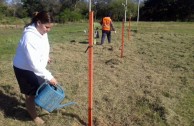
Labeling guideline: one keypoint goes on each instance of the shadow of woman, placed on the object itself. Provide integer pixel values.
(12, 108)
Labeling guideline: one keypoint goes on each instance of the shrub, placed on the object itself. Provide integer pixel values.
(68, 15)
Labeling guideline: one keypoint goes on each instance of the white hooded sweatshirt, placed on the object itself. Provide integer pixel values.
(33, 53)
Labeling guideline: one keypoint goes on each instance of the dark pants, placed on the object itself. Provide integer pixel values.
(104, 34)
(28, 81)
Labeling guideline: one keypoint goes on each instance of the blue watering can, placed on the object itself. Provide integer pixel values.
(49, 97)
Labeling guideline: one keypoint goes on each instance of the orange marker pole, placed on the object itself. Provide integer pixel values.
(90, 65)
(122, 43)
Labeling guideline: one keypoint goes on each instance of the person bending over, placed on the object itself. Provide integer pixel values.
(31, 58)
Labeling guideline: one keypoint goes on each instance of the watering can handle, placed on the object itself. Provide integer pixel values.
(40, 88)
(45, 83)
(58, 87)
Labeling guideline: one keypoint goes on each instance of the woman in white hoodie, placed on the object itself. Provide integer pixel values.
(31, 59)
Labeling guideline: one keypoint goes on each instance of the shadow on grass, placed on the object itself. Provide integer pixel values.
(11, 107)
(134, 30)
(83, 42)
(74, 116)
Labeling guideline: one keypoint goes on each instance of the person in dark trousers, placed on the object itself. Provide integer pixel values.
(107, 27)
(31, 59)
(96, 33)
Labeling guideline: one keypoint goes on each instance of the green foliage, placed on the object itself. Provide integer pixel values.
(13, 21)
(115, 7)
(68, 15)
(2, 11)
(69, 10)
(82, 7)
(117, 10)
(1, 16)
(32, 6)
(3, 8)
(167, 10)
(21, 13)
(75, 10)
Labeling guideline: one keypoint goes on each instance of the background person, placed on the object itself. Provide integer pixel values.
(31, 59)
(107, 27)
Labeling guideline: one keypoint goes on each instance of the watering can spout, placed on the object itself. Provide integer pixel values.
(64, 105)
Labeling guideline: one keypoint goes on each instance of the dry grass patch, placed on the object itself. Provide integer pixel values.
(151, 86)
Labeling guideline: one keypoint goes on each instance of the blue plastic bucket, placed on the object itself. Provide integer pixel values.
(49, 97)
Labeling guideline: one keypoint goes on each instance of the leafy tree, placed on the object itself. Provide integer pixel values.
(167, 10)
(71, 4)
(68, 15)
(185, 9)
(77, 9)
(53, 6)
(32, 6)
(5, 11)
(21, 12)
(155, 10)
(3, 8)
(116, 9)
(82, 8)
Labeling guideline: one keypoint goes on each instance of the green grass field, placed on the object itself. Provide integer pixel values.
(152, 85)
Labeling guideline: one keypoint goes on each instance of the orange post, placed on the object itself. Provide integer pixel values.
(90, 66)
(122, 43)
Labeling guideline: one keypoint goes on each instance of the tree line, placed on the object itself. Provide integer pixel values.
(167, 10)
(77, 10)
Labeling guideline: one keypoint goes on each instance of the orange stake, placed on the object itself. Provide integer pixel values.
(122, 43)
(90, 65)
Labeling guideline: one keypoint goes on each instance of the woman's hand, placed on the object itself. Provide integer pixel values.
(49, 60)
(53, 81)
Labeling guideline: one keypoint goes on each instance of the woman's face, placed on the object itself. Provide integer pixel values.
(44, 28)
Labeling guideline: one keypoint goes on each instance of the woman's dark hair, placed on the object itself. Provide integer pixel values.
(43, 16)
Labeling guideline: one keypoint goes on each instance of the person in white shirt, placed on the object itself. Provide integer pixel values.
(31, 58)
